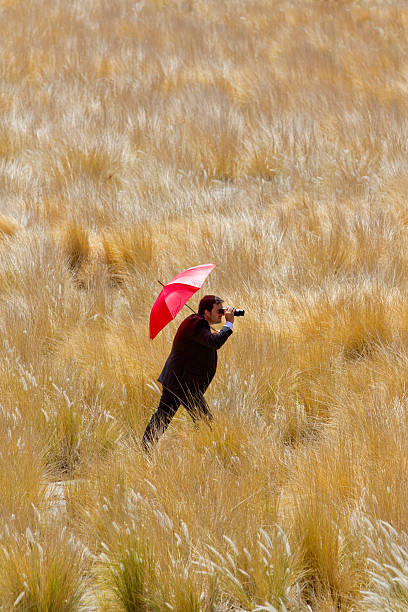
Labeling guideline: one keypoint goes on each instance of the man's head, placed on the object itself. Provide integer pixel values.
(210, 307)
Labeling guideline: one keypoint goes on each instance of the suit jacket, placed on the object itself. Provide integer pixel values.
(192, 363)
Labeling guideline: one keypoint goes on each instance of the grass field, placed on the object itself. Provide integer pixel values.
(141, 138)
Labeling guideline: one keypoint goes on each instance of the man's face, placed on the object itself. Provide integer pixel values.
(214, 316)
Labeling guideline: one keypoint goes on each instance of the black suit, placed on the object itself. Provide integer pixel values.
(188, 371)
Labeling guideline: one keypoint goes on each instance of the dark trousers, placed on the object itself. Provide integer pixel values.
(194, 403)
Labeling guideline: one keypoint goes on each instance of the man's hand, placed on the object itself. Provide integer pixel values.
(229, 314)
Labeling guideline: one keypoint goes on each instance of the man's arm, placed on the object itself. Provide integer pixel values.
(204, 336)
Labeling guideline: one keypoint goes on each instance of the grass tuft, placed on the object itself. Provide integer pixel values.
(43, 571)
(75, 244)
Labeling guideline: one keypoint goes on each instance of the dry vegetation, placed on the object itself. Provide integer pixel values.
(141, 138)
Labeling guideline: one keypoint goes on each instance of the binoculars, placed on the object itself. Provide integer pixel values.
(238, 312)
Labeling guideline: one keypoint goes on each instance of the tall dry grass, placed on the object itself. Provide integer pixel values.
(138, 139)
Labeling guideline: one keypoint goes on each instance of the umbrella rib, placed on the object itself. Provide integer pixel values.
(162, 284)
(214, 330)
(162, 309)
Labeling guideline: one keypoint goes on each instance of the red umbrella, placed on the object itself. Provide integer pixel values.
(174, 296)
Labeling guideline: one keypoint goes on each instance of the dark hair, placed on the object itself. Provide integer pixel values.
(207, 303)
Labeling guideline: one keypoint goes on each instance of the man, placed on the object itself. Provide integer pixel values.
(190, 367)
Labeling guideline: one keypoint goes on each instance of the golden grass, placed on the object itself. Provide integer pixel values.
(75, 243)
(139, 139)
(44, 570)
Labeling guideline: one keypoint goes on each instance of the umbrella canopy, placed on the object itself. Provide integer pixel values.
(174, 296)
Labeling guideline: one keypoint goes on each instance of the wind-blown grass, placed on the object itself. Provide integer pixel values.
(138, 139)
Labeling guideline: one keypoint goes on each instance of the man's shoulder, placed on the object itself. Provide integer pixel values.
(191, 324)
(194, 320)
